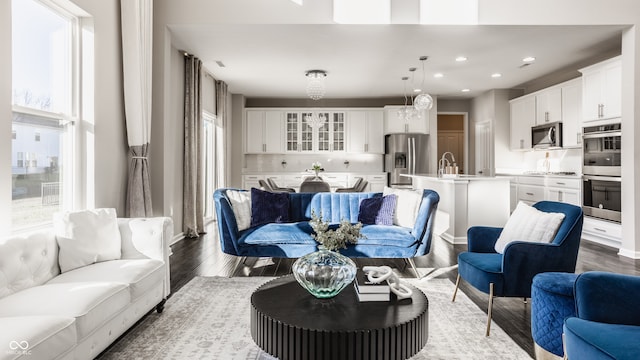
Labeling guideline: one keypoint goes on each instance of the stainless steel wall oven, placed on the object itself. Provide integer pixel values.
(601, 171)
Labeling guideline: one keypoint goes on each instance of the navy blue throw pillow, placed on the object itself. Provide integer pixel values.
(369, 210)
(385, 214)
(268, 207)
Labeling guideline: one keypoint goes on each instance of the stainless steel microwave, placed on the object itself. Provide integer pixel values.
(547, 136)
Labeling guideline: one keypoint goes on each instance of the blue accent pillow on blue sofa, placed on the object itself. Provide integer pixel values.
(268, 207)
(369, 209)
(385, 214)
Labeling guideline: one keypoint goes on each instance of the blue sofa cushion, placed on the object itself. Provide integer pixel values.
(385, 214)
(592, 340)
(369, 209)
(268, 207)
(387, 235)
(273, 233)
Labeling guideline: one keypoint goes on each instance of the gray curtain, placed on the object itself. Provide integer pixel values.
(137, 33)
(192, 208)
(222, 120)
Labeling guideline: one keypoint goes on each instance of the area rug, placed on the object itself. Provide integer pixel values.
(209, 319)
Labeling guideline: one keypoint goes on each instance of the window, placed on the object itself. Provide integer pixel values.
(13, 134)
(43, 41)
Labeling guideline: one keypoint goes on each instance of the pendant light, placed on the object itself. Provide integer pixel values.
(423, 101)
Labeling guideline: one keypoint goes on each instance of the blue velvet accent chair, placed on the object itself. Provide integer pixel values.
(511, 274)
(607, 325)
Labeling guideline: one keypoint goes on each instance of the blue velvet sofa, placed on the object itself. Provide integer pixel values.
(607, 325)
(293, 239)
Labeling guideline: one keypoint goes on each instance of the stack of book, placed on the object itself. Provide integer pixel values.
(370, 291)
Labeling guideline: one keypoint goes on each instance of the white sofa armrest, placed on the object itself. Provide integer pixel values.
(147, 238)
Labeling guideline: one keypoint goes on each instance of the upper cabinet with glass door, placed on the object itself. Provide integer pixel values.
(331, 132)
(302, 136)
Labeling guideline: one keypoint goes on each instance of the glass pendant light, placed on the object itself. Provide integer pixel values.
(423, 101)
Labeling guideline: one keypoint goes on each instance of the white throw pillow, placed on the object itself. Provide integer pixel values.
(241, 206)
(407, 206)
(529, 224)
(86, 237)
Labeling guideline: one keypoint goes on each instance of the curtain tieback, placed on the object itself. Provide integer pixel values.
(140, 157)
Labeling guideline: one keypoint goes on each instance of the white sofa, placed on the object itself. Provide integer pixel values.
(77, 314)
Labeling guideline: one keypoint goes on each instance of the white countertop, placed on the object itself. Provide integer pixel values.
(549, 175)
(461, 177)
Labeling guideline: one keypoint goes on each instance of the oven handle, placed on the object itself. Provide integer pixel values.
(602, 135)
(602, 178)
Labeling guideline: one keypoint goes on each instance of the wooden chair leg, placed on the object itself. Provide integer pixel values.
(456, 290)
(490, 308)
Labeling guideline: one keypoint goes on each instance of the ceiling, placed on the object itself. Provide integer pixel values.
(368, 61)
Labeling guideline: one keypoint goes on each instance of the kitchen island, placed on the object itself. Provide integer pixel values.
(465, 201)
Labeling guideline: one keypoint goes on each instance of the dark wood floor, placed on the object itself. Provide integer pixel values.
(203, 257)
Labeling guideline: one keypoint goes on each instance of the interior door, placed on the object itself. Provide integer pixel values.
(483, 148)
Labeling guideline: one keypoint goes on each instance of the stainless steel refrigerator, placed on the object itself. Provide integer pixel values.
(405, 154)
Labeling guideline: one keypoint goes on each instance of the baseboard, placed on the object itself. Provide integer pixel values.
(176, 238)
(629, 253)
(453, 240)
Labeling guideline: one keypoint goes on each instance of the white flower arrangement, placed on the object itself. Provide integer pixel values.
(317, 166)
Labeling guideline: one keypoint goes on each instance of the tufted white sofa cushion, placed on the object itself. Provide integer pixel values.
(92, 303)
(41, 337)
(140, 274)
(27, 261)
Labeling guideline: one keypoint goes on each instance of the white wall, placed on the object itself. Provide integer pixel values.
(110, 177)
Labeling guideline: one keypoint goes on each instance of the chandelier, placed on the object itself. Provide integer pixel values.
(315, 83)
(423, 101)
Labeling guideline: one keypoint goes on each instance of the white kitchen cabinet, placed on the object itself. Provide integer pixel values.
(602, 90)
(564, 190)
(531, 189)
(523, 113)
(331, 135)
(376, 182)
(549, 105)
(301, 137)
(393, 125)
(572, 113)
(602, 231)
(365, 131)
(249, 181)
(299, 134)
(263, 132)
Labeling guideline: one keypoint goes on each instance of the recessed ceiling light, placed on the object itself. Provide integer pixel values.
(417, 90)
(466, 90)
(496, 75)
(438, 75)
(461, 58)
(529, 59)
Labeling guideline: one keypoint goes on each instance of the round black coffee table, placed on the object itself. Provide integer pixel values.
(289, 323)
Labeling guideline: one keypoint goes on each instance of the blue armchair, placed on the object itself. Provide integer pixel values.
(607, 325)
(510, 274)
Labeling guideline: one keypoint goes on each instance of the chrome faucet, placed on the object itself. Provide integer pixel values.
(445, 164)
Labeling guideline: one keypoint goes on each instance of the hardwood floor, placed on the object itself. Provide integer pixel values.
(202, 257)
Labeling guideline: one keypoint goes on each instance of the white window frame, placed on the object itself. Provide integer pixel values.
(75, 174)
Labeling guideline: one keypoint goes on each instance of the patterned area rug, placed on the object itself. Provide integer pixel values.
(209, 319)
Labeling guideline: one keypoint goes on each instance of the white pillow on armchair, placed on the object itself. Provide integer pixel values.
(529, 224)
(86, 237)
